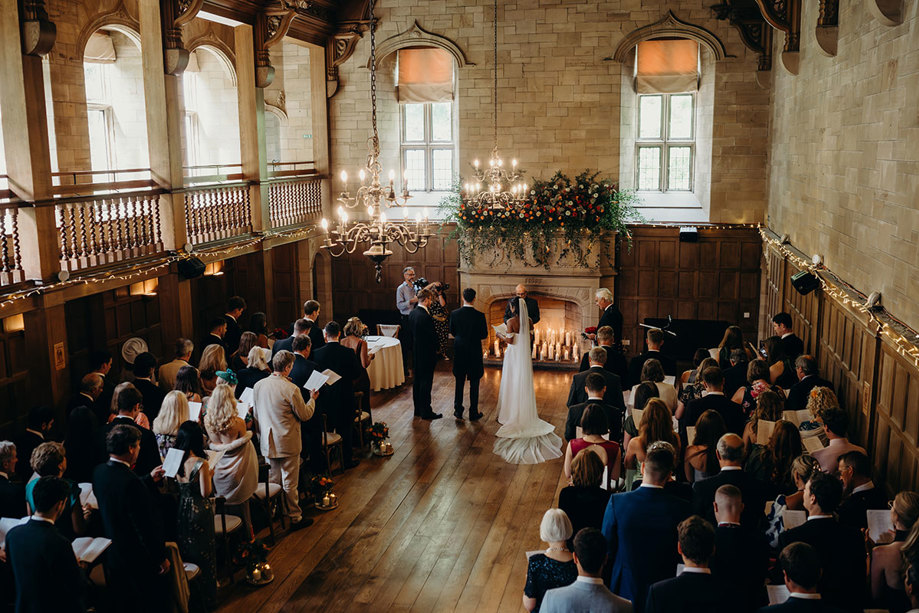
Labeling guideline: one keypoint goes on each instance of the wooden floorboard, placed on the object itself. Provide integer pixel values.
(441, 525)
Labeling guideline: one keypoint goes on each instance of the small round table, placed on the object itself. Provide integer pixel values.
(385, 369)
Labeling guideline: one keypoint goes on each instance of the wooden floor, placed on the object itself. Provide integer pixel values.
(441, 525)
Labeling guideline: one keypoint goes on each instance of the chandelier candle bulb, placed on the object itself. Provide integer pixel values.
(362, 176)
(344, 177)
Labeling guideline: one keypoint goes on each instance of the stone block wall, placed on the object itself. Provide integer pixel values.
(292, 79)
(844, 159)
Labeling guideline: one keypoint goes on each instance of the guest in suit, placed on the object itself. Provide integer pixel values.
(554, 568)
(145, 382)
(168, 371)
(641, 530)
(279, 410)
(611, 315)
(337, 400)
(808, 379)
(46, 571)
(12, 498)
(793, 346)
(301, 326)
(311, 429)
(235, 307)
(715, 400)
(841, 548)
(136, 562)
(587, 593)
(584, 501)
(801, 565)
(695, 589)
(256, 369)
(217, 329)
(311, 314)
(532, 306)
(424, 353)
(615, 359)
(741, 556)
(730, 453)
(577, 394)
(595, 385)
(836, 425)
(859, 492)
(655, 340)
(38, 425)
(469, 329)
(83, 430)
(100, 362)
(90, 390)
(129, 406)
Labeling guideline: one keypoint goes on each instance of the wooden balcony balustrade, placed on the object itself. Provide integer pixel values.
(217, 212)
(294, 202)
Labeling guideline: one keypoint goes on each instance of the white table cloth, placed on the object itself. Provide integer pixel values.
(385, 369)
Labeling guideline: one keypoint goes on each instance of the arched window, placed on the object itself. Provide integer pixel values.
(211, 111)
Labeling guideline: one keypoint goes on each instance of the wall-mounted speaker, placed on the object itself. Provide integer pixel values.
(804, 282)
(689, 234)
(189, 268)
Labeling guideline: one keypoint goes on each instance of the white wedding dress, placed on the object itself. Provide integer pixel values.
(523, 438)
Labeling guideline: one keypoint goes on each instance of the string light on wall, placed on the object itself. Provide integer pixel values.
(374, 197)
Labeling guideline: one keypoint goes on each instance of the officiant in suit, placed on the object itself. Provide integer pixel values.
(424, 350)
(469, 329)
(532, 306)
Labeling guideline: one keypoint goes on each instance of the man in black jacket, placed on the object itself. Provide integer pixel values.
(424, 352)
(615, 359)
(655, 340)
(808, 379)
(577, 393)
(337, 400)
(301, 326)
(469, 329)
(46, 571)
(714, 399)
(12, 496)
(136, 562)
(730, 452)
(801, 566)
(793, 346)
(235, 307)
(311, 314)
(741, 553)
(38, 425)
(596, 387)
(532, 306)
(611, 315)
(859, 492)
(311, 430)
(146, 384)
(129, 404)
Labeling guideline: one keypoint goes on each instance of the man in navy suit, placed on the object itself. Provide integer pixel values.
(615, 359)
(235, 307)
(577, 394)
(730, 453)
(469, 329)
(695, 590)
(714, 399)
(801, 569)
(301, 326)
(808, 379)
(311, 430)
(641, 530)
(424, 352)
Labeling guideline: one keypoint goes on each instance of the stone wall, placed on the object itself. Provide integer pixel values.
(844, 163)
(290, 93)
(559, 101)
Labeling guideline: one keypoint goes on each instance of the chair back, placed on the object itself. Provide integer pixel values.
(388, 330)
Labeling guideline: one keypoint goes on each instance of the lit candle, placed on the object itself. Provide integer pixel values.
(344, 176)
(542, 353)
(514, 163)
(567, 355)
(497, 348)
(485, 355)
(333, 498)
(577, 351)
(362, 175)
(325, 500)
(535, 350)
(551, 351)
(325, 224)
(567, 338)
(475, 163)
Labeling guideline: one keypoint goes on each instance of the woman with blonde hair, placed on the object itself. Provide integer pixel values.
(236, 474)
(802, 468)
(653, 371)
(768, 407)
(553, 568)
(656, 425)
(141, 419)
(173, 413)
(353, 331)
(213, 359)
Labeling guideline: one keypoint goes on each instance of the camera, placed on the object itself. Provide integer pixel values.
(420, 283)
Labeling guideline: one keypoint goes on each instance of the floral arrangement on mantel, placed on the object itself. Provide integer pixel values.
(585, 207)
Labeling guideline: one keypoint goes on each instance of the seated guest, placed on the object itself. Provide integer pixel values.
(781, 366)
(713, 398)
(801, 565)
(841, 548)
(555, 567)
(613, 394)
(136, 562)
(49, 460)
(655, 340)
(741, 553)
(595, 386)
(256, 369)
(584, 501)
(145, 382)
(587, 593)
(735, 375)
(46, 571)
(768, 407)
(168, 371)
(653, 371)
(239, 359)
(887, 561)
(90, 390)
(38, 425)
(911, 582)
(836, 425)
(641, 530)
(217, 329)
(353, 331)
(641, 394)
(173, 414)
(189, 383)
(213, 360)
(129, 406)
(791, 344)
(691, 387)
(656, 425)
(236, 305)
(757, 382)
(858, 491)
(236, 474)
(732, 341)
(615, 359)
(701, 460)
(301, 326)
(801, 470)
(771, 463)
(730, 453)
(594, 426)
(12, 498)
(82, 452)
(695, 589)
(808, 379)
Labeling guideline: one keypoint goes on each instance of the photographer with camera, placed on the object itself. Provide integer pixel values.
(440, 313)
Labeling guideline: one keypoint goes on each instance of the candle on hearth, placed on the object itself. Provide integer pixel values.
(535, 350)
(567, 355)
(558, 350)
(567, 338)
(551, 352)
(497, 348)
(577, 351)
(542, 353)
(485, 355)
(535, 336)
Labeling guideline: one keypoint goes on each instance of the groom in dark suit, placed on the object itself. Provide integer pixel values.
(424, 350)
(468, 327)
(532, 306)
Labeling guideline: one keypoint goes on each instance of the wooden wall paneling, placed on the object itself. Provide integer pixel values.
(803, 310)
(286, 283)
(896, 431)
(774, 288)
(14, 380)
(251, 281)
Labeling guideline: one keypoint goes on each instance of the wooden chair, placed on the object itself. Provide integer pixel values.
(389, 330)
(360, 419)
(270, 497)
(224, 526)
(331, 441)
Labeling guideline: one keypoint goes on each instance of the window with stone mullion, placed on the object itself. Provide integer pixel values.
(665, 147)
(428, 148)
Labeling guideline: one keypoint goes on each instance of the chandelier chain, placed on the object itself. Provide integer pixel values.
(494, 69)
(373, 77)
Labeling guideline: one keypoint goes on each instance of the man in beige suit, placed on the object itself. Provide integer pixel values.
(279, 409)
(169, 370)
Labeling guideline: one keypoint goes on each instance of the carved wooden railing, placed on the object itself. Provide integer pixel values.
(217, 212)
(107, 229)
(294, 202)
(11, 271)
(85, 182)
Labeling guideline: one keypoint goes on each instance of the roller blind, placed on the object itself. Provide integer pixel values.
(424, 74)
(666, 66)
(99, 49)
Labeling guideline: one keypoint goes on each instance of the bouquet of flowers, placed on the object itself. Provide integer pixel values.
(379, 431)
(279, 334)
(320, 486)
(254, 556)
(590, 330)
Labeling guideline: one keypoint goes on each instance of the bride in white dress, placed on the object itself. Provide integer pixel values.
(523, 438)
